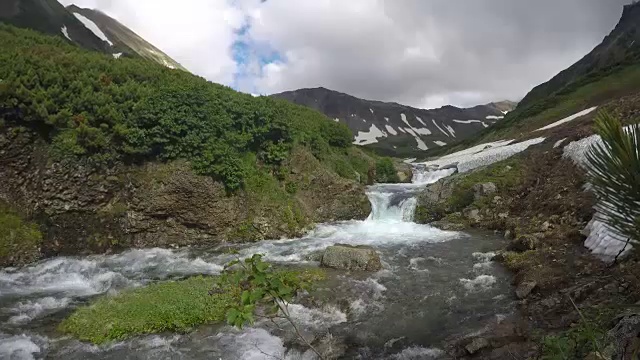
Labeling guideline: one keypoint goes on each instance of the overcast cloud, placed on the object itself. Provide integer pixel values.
(424, 53)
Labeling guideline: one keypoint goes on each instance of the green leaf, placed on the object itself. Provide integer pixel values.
(232, 316)
(245, 297)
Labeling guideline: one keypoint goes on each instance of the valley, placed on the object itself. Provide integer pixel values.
(129, 186)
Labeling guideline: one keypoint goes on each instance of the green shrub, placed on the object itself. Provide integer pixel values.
(386, 171)
(89, 104)
(176, 306)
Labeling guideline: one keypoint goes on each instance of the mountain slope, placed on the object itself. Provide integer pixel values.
(394, 128)
(619, 49)
(49, 16)
(606, 78)
(124, 39)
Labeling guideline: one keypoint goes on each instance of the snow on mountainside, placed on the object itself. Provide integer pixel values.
(49, 16)
(121, 37)
(391, 127)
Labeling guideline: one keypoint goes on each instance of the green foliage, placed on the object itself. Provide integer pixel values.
(263, 290)
(16, 235)
(386, 171)
(576, 343)
(615, 174)
(176, 306)
(92, 105)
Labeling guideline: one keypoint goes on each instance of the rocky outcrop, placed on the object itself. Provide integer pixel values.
(345, 257)
(84, 208)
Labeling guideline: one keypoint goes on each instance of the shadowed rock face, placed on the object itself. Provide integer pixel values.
(390, 124)
(86, 209)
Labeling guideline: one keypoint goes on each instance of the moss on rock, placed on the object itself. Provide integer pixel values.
(20, 240)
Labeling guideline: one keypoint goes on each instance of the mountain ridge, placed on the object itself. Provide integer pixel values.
(395, 129)
(125, 39)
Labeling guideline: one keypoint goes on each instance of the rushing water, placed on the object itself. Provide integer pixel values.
(434, 284)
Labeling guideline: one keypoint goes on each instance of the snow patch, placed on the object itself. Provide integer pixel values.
(440, 143)
(569, 118)
(93, 27)
(453, 132)
(483, 154)
(410, 131)
(494, 117)
(117, 55)
(467, 121)
(558, 143)
(602, 240)
(369, 137)
(401, 130)
(423, 131)
(420, 120)
(386, 118)
(371, 110)
(391, 130)
(336, 120)
(65, 32)
(439, 128)
(421, 144)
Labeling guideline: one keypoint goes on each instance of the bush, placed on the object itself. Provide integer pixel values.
(386, 171)
(89, 104)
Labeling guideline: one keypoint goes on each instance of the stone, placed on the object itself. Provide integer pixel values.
(545, 226)
(480, 190)
(497, 200)
(345, 257)
(476, 345)
(524, 289)
(473, 214)
(625, 336)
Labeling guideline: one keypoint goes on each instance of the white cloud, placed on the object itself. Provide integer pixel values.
(196, 33)
(415, 52)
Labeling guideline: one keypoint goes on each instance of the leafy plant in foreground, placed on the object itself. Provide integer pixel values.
(265, 293)
(614, 173)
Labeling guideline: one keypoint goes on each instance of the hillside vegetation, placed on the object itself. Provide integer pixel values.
(88, 104)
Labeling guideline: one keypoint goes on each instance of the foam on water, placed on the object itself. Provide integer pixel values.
(480, 283)
(418, 353)
(19, 347)
(28, 310)
(93, 275)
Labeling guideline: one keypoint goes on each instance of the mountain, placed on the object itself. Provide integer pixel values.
(90, 29)
(123, 38)
(619, 49)
(49, 16)
(398, 129)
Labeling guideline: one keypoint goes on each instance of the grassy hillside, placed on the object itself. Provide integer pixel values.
(91, 105)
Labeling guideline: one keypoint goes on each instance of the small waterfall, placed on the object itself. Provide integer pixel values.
(391, 206)
(397, 202)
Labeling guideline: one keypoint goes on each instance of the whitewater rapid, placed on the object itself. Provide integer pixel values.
(424, 269)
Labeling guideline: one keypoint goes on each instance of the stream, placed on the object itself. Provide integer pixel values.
(434, 284)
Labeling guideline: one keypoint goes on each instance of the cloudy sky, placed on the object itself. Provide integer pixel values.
(424, 53)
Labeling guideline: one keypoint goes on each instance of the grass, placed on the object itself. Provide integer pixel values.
(173, 306)
(18, 238)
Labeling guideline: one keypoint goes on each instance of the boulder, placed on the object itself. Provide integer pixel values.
(625, 337)
(524, 289)
(346, 257)
(472, 214)
(480, 190)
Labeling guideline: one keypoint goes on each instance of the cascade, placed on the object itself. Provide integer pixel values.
(397, 202)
